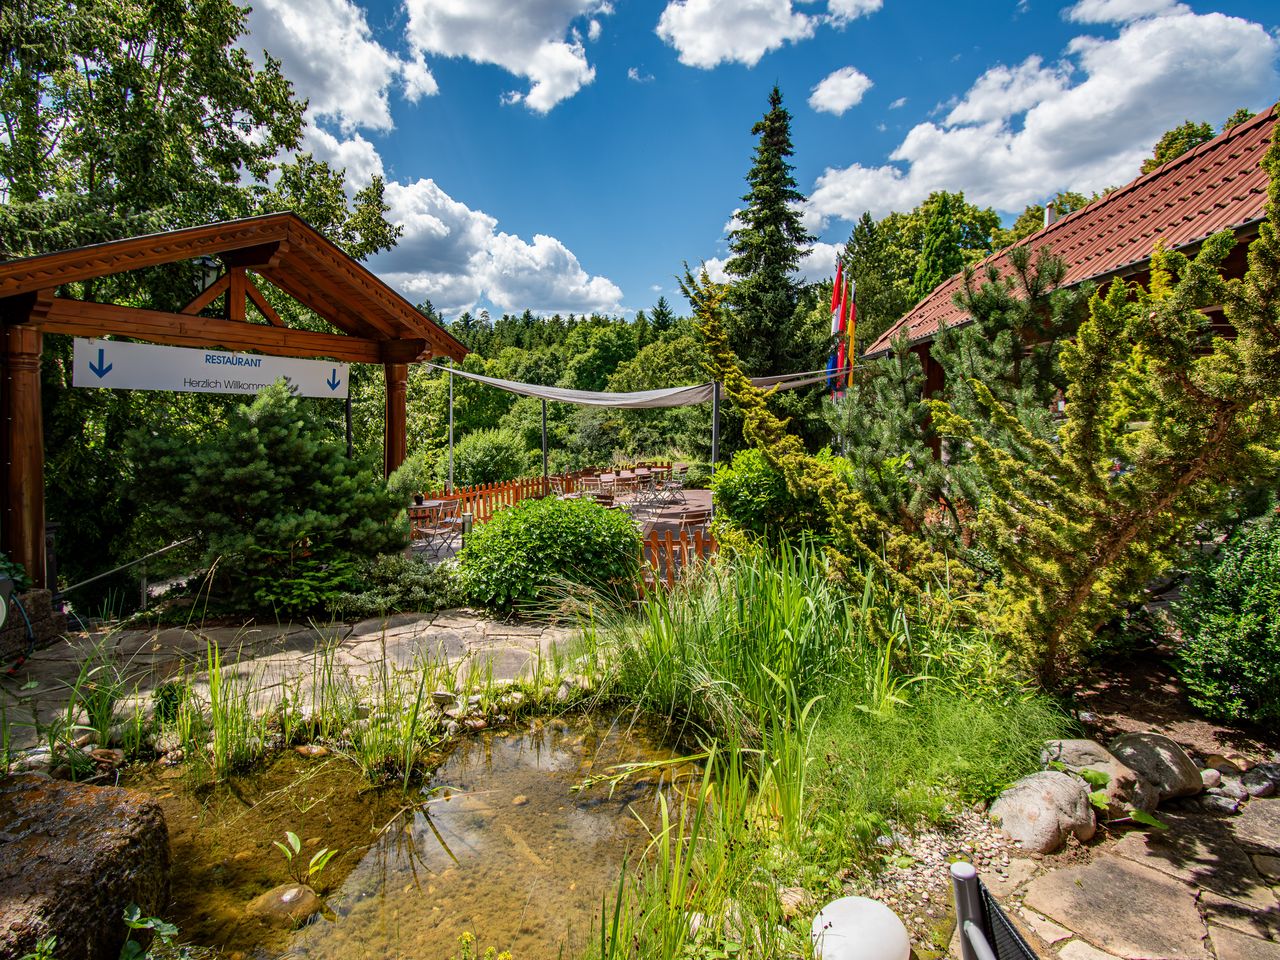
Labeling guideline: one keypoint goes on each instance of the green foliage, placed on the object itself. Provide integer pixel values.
(115, 114)
(751, 494)
(160, 930)
(881, 426)
(1080, 527)
(884, 256)
(512, 560)
(940, 256)
(394, 583)
(487, 456)
(15, 572)
(1174, 143)
(1237, 118)
(274, 505)
(291, 849)
(1230, 619)
(419, 474)
(699, 476)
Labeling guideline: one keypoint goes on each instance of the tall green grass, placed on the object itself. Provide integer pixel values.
(832, 715)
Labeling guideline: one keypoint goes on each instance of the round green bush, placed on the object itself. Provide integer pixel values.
(1230, 617)
(516, 556)
(487, 456)
(751, 495)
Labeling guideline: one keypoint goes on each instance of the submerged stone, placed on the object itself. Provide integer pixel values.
(288, 905)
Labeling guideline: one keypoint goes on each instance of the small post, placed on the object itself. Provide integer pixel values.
(546, 483)
(450, 431)
(143, 586)
(715, 425)
(964, 885)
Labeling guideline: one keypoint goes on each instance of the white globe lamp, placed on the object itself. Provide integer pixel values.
(855, 928)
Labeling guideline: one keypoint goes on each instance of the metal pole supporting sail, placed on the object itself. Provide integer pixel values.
(451, 431)
(546, 482)
(715, 424)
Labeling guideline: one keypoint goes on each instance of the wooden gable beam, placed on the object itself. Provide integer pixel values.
(211, 293)
(262, 256)
(268, 312)
(118, 256)
(86, 319)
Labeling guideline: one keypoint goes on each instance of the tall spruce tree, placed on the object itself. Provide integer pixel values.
(766, 248)
(940, 255)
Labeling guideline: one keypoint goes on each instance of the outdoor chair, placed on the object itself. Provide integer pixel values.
(673, 485)
(697, 519)
(436, 525)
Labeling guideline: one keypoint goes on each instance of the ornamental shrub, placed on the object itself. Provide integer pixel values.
(513, 559)
(751, 494)
(395, 583)
(1230, 616)
(487, 456)
(273, 504)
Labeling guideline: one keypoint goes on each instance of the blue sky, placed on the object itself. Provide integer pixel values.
(568, 155)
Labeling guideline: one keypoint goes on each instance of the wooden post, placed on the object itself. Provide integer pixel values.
(24, 451)
(394, 440)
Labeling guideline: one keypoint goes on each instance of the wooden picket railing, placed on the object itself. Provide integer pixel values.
(668, 556)
(483, 500)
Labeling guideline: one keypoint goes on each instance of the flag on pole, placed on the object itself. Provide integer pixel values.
(836, 363)
(851, 326)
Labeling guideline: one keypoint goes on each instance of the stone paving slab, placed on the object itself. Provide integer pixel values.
(1201, 852)
(1257, 828)
(1124, 908)
(1229, 944)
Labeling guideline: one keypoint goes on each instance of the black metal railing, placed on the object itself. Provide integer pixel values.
(986, 932)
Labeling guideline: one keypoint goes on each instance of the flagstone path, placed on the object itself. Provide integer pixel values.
(274, 655)
(1205, 889)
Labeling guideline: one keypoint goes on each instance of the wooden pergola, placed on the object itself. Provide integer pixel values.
(376, 325)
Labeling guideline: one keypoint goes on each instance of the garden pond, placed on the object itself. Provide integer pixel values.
(503, 840)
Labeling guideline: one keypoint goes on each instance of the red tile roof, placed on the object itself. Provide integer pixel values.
(1216, 186)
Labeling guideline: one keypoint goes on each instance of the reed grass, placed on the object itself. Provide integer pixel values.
(830, 715)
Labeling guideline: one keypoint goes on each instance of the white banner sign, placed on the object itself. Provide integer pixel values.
(144, 366)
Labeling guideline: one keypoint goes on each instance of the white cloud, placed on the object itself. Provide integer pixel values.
(633, 73)
(715, 270)
(820, 262)
(1020, 134)
(354, 154)
(534, 39)
(842, 11)
(455, 256)
(330, 55)
(1121, 11)
(840, 90)
(594, 30)
(708, 32)
(1004, 91)
(898, 104)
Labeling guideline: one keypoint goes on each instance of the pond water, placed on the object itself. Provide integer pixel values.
(498, 843)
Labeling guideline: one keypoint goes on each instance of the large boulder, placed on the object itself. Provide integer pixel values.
(1125, 789)
(72, 857)
(1161, 762)
(1042, 810)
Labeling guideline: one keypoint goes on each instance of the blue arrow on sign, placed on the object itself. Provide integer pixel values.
(102, 368)
(334, 382)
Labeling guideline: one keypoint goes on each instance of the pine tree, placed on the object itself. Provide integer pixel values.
(882, 426)
(940, 255)
(661, 316)
(1079, 527)
(276, 508)
(766, 249)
